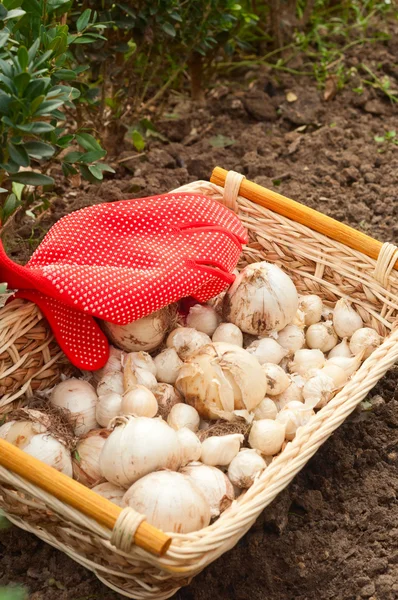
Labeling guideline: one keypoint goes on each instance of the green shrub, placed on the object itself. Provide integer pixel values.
(35, 64)
(150, 45)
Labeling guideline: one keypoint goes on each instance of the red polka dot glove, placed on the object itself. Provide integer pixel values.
(124, 260)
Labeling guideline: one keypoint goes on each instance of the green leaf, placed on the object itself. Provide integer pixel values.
(379, 139)
(14, 14)
(169, 29)
(31, 178)
(176, 16)
(87, 141)
(86, 39)
(96, 172)
(34, 105)
(39, 150)
(221, 141)
(48, 106)
(5, 101)
(54, 5)
(18, 154)
(6, 68)
(105, 167)
(33, 49)
(10, 167)
(17, 189)
(65, 140)
(10, 205)
(3, 38)
(68, 170)
(92, 156)
(83, 20)
(42, 59)
(37, 87)
(21, 81)
(138, 140)
(72, 157)
(38, 127)
(3, 190)
(23, 57)
(7, 83)
(65, 74)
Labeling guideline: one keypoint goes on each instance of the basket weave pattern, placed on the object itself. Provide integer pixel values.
(318, 265)
(30, 359)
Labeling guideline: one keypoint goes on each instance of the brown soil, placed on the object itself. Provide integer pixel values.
(334, 532)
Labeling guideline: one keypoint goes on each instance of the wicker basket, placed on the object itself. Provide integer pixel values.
(317, 264)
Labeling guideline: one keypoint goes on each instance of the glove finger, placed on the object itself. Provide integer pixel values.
(78, 335)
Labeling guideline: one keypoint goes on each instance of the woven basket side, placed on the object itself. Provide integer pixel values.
(30, 358)
(317, 264)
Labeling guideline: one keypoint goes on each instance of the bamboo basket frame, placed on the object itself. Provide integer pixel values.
(317, 264)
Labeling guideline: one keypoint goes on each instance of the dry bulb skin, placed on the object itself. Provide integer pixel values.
(321, 336)
(138, 446)
(108, 407)
(111, 381)
(342, 349)
(228, 333)
(307, 362)
(345, 319)
(191, 448)
(318, 390)
(133, 375)
(186, 341)
(140, 360)
(168, 364)
(267, 350)
(203, 318)
(277, 380)
(222, 378)
(349, 365)
(183, 415)
(265, 410)
(293, 416)
(145, 334)
(267, 436)
(293, 393)
(139, 402)
(312, 308)
(214, 485)
(86, 468)
(114, 362)
(220, 450)
(291, 338)
(166, 396)
(261, 299)
(80, 399)
(336, 373)
(245, 468)
(170, 501)
(366, 339)
(111, 492)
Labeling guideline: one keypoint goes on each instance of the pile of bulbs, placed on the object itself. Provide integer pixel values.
(257, 355)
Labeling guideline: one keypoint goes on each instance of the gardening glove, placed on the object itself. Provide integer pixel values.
(123, 260)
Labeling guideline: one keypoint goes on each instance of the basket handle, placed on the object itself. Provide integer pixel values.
(306, 216)
(78, 496)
